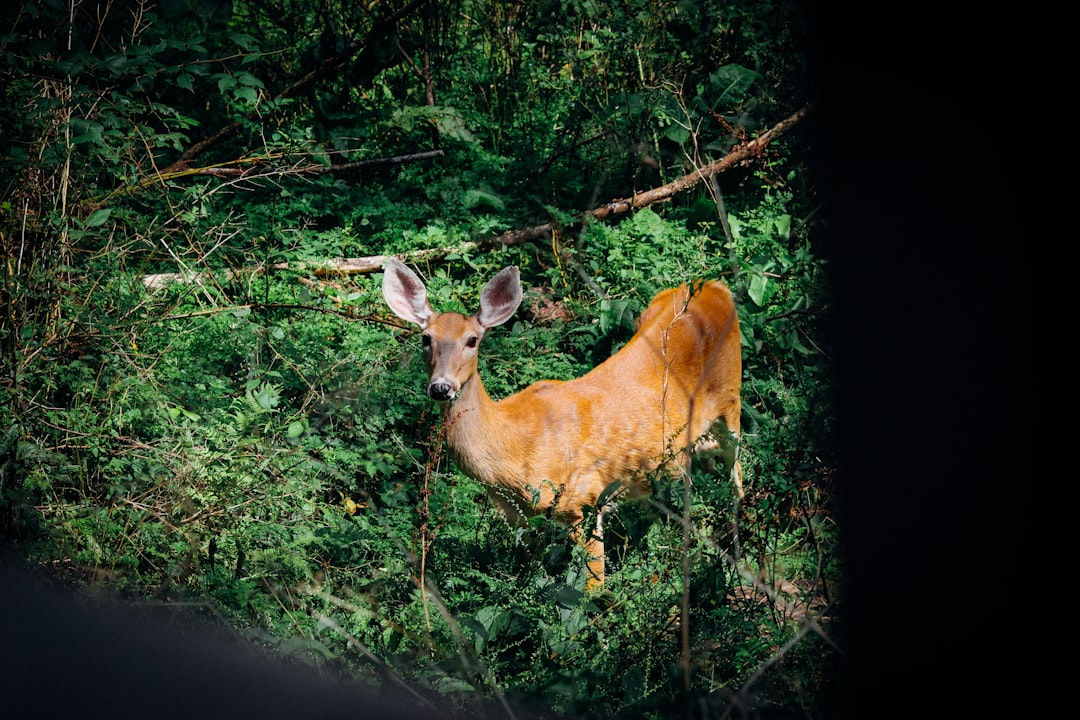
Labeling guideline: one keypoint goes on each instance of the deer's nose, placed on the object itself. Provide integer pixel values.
(441, 390)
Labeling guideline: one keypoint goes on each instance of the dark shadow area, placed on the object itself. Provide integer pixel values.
(948, 296)
(67, 653)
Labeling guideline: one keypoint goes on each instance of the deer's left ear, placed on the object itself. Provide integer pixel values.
(500, 298)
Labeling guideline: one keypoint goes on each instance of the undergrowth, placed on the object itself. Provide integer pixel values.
(198, 406)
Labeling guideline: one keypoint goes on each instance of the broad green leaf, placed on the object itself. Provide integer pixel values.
(757, 288)
(246, 93)
(98, 217)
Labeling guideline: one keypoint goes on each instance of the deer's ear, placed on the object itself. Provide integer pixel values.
(500, 298)
(405, 294)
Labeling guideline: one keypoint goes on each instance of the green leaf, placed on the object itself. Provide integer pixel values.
(98, 217)
(677, 133)
(117, 63)
(733, 81)
(86, 131)
(245, 41)
(783, 225)
(246, 78)
(615, 314)
(758, 288)
(246, 93)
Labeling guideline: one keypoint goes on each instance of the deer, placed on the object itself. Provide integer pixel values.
(561, 447)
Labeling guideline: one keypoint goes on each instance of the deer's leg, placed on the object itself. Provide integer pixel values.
(729, 449)
(725, 444)
(592, 541)
(594, 552)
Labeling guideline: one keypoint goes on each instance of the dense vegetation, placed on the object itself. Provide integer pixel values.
(201, 402)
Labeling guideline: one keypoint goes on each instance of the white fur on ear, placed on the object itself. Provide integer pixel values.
(405, 294)
(500, 297)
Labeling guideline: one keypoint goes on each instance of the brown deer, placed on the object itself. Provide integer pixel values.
(559, 446)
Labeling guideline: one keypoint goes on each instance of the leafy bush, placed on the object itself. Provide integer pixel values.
(195, 408)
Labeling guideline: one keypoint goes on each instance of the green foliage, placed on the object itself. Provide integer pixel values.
(192, 408)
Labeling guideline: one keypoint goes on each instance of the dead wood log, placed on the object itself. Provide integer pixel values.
(335, 267)
(739, 155)
(355, 266)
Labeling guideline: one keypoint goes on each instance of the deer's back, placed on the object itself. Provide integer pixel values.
(568, 440)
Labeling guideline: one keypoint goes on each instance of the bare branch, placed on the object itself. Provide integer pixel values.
(741, 154)
(260, 170)
(363, 265)
(336, 267)
(329, 67)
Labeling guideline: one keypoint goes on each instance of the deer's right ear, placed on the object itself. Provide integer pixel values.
(405, 294)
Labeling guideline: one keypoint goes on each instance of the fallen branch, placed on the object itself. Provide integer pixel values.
(182, 165)
(374, 263)
(259, 168)
(336, 267)
(329, 67)
(739, 155)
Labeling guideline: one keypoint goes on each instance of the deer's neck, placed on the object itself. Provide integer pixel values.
(475, 431)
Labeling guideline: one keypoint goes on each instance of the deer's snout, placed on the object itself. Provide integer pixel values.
(442, 390)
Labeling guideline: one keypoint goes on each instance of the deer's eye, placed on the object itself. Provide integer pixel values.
(471, 342)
